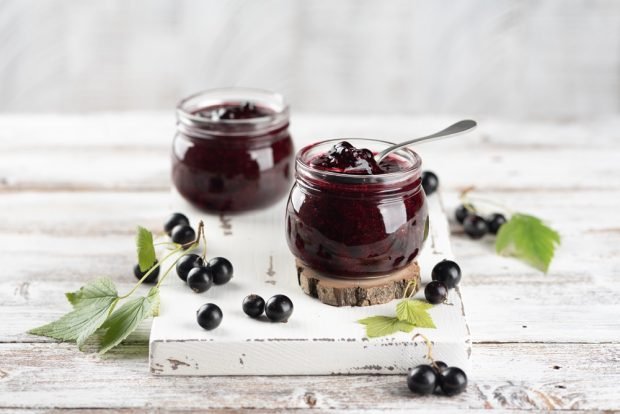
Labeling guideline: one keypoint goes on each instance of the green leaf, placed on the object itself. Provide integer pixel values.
(92, 304)
(529, 239)
(100, 290)
(384, 325)
(127, 318)
(415, 312)
(145, 249)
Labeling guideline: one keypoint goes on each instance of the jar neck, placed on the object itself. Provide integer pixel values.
(396, 184)
(405, 179)
(192, 122)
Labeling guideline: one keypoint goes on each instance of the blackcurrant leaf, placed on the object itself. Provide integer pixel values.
(92, 304)
(127, 318)
(415, 312)
(100, 289)
(528, 238)
(145, 249)
(384, 325)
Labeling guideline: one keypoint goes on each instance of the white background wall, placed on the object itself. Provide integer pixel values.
(512, 58)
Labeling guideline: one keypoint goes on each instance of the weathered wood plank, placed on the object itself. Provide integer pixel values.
(80, 243)
(108, 152)
(518, 376)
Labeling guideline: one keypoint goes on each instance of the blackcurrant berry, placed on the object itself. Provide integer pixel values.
(430, 182)
(253, 306)
(447, 272)
(183, 234)
(152, 278)
(174, 220)
(209, 316)
(439, 366)
(460, 213)
(199, 279)
(475, 226)
(422, 379)
(495, 221)
(187, 263)
(279, 308)
(452, 381)
(436, 292)
(221, 270)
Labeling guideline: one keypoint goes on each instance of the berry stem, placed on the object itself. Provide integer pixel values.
(165, 244)
(149, 272)
(429, 348)
(411, 284)
(204, 241)
(161, 279)
(469, 201)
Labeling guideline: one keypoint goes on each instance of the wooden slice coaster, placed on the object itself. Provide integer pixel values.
(344, 292)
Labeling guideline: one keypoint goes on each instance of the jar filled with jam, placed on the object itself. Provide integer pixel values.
(232, 151)
(351, 217)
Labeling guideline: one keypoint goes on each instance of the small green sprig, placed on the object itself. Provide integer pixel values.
(523, 236)
(410, 314)
(94, 303)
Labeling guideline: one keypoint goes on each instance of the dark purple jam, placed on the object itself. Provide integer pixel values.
(245, 110)
(345, 158)
(235, 165)
(356, 227)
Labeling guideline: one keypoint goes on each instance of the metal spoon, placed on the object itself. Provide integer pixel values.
(454, 129)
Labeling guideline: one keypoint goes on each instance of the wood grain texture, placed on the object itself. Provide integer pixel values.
(520, 376)
(508, 58)
(540, 341)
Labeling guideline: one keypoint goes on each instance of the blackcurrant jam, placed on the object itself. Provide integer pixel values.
(348, 216)
(232, 151)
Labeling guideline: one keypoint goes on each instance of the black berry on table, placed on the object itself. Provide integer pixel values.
(430, 182)
(174, 220)
(187, 263)
(475, 226)
(452, 381)
(422, 379)
(199, 279)
(221, 270)
(447, 272)
(495, 221)
(436, 292)
(253, 306)
(279, 308)
(183, 234)
(439, 366)
(460, 213)
(152, 278)
(209, 316)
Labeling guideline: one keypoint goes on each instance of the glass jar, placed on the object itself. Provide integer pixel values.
(356, 226)
(226, 157)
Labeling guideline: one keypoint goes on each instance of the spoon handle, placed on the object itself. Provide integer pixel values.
(454, 129)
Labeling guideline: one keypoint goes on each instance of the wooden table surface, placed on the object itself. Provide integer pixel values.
(72, 189)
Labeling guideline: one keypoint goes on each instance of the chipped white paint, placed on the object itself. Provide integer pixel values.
(318, 339)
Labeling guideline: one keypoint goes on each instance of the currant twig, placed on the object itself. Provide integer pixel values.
(411, 284)
(149, 272)
(429, 349)
(468, 201)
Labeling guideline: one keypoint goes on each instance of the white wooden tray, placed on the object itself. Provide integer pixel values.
(318, 339)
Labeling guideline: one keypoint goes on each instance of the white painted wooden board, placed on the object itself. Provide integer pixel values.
(318, 339)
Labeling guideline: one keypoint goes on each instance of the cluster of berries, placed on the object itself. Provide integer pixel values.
(437, 378)
(446, 275)
(476, 226)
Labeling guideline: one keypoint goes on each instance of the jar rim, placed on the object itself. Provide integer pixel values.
(408, 154)
(189, 121)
